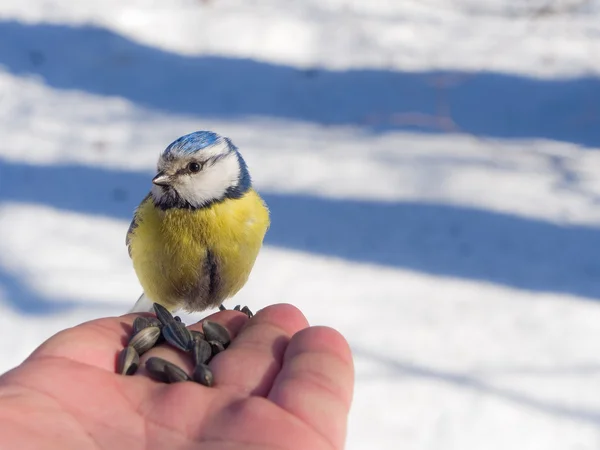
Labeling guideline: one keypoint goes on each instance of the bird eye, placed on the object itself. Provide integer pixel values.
(194, 167)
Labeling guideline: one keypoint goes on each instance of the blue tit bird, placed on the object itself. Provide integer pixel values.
(195, 237)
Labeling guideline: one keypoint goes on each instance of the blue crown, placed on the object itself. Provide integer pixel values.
(193, 142)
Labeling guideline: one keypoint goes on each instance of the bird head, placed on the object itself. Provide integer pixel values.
(199, 169)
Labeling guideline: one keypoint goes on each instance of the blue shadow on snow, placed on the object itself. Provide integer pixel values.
(102, 62)
(469, 381)
(25, 300)
(436, 239)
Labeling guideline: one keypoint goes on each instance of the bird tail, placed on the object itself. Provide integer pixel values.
(143, 304)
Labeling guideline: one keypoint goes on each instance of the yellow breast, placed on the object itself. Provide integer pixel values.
(174, 250)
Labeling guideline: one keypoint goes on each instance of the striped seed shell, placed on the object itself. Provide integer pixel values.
(174, 373)
(216, 347)
(216, 332)
(237, 307)
(128, 361)
(178, 335)
(145, 339)
(198, 335)
(157, 323)
(202, 352)
(156, 369)
(154, 322)
(140, 323)
(203, 375)
(163, 314)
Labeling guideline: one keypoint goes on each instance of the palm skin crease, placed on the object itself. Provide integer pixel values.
(280, 385)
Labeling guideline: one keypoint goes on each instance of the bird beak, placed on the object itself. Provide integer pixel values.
(161, 179)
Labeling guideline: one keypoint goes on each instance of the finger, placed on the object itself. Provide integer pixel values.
(232, 320)
(95, 343)
(316, 382)
(254, 358)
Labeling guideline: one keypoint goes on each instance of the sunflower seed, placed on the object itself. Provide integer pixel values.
(128, 361)
(178, 335)
(216, 347)
(145, 339)
(175, 374)
(156, 368)
(202, 352)
(203, 375)
(154, 322)
(237, 307)
(198, 335)
(216, 332)
(163, 314)
(247, 311)
(140, 323)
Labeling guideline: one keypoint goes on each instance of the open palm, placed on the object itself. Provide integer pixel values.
(279, 385)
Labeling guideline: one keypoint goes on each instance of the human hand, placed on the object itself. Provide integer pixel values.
(279, 385)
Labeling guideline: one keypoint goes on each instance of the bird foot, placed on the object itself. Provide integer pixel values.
(243, 309)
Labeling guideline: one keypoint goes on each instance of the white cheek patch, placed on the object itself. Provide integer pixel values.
(211, 183)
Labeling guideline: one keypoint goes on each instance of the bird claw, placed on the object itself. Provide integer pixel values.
(244, 309)
(247, 311)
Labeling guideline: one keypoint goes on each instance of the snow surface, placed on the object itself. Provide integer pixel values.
(431, 167)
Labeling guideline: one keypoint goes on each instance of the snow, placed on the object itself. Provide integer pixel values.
(431, 168)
